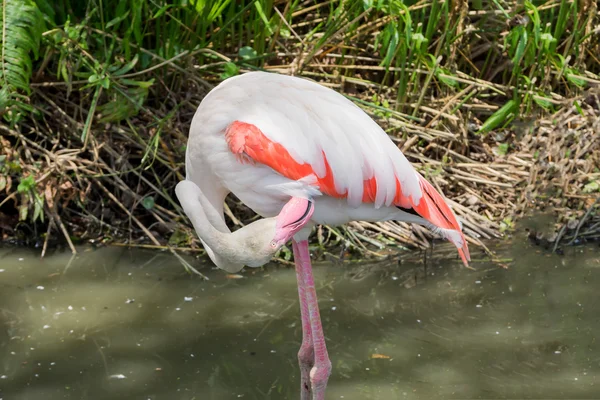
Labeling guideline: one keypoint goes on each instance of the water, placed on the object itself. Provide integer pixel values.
(120, 324)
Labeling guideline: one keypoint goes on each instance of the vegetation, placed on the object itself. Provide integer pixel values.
(495, 101)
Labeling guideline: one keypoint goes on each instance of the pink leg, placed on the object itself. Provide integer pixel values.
(319, 374)
(306, 354)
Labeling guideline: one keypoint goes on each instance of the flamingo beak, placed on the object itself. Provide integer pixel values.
(292, 218)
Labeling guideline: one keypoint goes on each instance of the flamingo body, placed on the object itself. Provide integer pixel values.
(268, 137)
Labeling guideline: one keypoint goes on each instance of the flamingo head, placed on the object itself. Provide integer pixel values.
(292, 218)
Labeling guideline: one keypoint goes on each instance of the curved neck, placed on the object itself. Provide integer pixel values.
(229, 251)
(211, 194)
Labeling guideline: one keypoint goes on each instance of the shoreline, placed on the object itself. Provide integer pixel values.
(498, 108)
(489, 192)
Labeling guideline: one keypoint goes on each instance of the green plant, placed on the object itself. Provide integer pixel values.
(21, 27)
(30, 196)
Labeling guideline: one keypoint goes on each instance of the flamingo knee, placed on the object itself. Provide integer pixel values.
(306, 355)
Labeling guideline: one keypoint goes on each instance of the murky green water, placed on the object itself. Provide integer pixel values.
(120, 324)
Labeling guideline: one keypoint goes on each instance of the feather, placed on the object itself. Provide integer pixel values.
(324, 131)
(434, 209)
(317, 142)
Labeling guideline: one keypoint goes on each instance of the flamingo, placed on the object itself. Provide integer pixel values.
(298, 154)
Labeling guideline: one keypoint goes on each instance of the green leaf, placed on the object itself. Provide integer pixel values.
(498, 117)
(26, 184)
(142, 84)
(287, 254)
(548, 40)
(126, 103)
(23, 212)
(503, 149)
(2, 183)
(216, 10)
(506, 224)
(199, 5)
(542, 102)
(389, 39)
(38, 209)
(263, 16)
(520, 47)
(443, 75)
(148, 202)
(592, 187)
(574, 78)
(578, 108)
(5, 98)
(284, 31)
(127, 67)
(247, 52)
(178, 238)
(47, 9)
(21, 27)
(418, 39)
(117, 20)
(162, 10)
(230, 70)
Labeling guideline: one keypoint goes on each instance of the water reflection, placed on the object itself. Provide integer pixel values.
(120, 324)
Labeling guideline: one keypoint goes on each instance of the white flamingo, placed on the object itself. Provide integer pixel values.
(298, 154)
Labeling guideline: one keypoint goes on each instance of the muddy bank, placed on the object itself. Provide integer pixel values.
(115, 190)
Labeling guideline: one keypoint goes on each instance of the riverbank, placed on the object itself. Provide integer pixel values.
(499, 116)
(550, 165)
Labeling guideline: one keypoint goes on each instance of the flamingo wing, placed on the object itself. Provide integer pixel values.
(298, 126)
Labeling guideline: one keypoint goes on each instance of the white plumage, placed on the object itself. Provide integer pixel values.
(312, 123)
(308, 120)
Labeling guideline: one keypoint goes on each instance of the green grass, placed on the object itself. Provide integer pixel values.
(101, 92)
(537, 52)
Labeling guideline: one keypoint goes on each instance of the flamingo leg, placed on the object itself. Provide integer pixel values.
(321, 369)
(306, 354)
